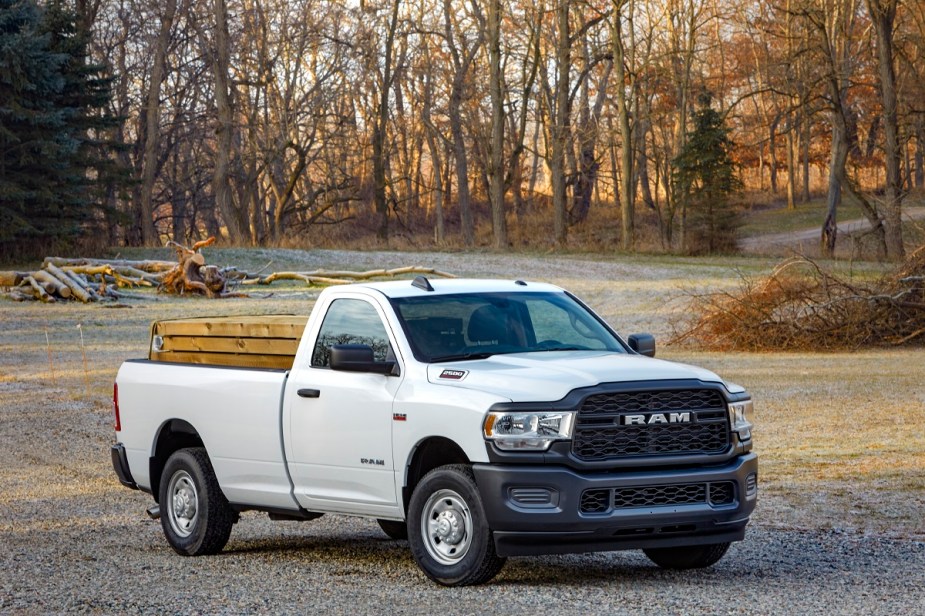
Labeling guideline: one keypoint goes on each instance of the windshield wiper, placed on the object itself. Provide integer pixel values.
(561, 348)
(461, 357)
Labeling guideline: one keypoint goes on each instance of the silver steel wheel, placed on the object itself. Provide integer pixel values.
(182, 503)
(446, 526)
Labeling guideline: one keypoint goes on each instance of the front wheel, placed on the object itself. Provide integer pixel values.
(195, 515)
(448, 533)
(687, 557)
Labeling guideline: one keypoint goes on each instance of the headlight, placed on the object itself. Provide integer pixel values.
(530, 431)
(738, 417)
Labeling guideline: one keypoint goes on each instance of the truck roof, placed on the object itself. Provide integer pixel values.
(447, 286)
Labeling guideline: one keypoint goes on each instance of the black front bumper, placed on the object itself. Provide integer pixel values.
(525, 522)
(120, 465)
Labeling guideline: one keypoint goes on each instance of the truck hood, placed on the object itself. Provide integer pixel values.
(549, 376)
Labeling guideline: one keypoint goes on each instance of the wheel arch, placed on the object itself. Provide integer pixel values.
(173, 435)
(430, 453)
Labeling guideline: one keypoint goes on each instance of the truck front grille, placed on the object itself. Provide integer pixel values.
(603, 500)
(653, 423)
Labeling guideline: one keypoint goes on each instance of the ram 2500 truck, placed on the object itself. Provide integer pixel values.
(479, 419)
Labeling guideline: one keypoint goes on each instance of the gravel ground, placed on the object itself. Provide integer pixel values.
(73, 540)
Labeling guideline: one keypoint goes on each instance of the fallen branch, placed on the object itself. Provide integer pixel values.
(803, 308)
(322, 277)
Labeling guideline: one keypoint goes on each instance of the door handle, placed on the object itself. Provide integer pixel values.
(309, 393)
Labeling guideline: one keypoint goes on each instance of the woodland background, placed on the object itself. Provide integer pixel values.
(639, 125)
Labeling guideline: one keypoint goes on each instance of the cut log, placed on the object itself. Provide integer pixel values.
(38, 290)
(102, 271)
(52, 284)
(12, 279)
(152, 267)
(77, 288)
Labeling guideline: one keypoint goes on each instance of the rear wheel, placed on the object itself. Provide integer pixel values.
(449, 535)
(687, 557)
(395, 530)
(195, 515)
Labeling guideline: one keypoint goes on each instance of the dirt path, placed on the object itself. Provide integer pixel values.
(806, 240)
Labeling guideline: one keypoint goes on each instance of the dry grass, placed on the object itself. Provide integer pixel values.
(839, 434)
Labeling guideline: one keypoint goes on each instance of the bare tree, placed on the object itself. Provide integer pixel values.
(883, 15)
(463, 51)
(624, 66)
(496, 164)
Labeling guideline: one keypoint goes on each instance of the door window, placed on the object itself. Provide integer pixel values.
(351, 321)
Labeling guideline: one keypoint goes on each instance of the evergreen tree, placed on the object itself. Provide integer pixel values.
(51, 102)
(704, 176)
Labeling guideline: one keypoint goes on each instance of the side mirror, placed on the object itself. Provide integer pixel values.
(359, 358)
(644, 344)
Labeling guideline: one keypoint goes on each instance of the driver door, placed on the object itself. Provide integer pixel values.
(339, 445)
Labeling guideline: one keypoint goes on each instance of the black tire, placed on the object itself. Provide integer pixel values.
(449, 535)
(395, 530)
(195, 515)
(687, 557)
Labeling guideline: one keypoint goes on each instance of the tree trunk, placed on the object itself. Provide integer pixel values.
(496, 164)
(919, 177)
(224, 131)
(461, 63)
(791, 164)
(588, 130)
(805, 135)
(152, 114)
(772, 154)
(380, 150)
(836, 177)
(462, 167)
(627, 130)
(883, 13)
(560, 130)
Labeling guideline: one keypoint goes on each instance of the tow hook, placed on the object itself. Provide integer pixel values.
(154, 512)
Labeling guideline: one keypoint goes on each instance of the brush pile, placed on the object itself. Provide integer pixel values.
(91, 280)
(801, 306)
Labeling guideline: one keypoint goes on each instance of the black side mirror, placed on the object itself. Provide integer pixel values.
(644, 344)
(359, 358)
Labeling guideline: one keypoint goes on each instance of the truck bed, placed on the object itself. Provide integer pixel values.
(260, 341)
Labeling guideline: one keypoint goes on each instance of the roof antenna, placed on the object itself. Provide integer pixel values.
(422, 283)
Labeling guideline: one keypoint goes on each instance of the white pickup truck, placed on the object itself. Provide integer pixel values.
(479, 419)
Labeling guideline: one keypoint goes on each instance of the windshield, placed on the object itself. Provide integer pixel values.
(475, 326)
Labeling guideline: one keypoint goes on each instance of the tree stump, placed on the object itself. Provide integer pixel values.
(192, 274)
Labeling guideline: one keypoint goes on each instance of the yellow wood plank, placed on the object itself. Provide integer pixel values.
(258, 326)
(218, 344)
(283, 362)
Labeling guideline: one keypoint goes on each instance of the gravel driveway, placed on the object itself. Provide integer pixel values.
(73, 540)
(113, 561)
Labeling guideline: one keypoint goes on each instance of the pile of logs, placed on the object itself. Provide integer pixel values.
(90, 280)
(83, 280)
